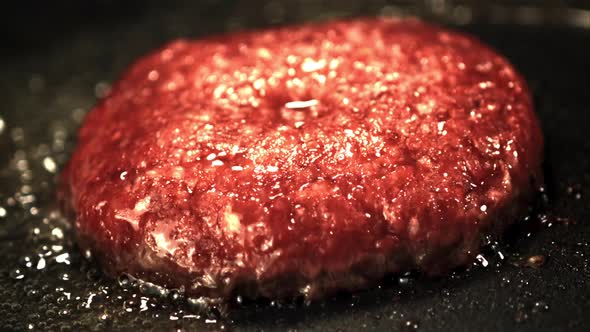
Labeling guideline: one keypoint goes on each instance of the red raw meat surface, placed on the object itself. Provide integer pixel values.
(304, 159)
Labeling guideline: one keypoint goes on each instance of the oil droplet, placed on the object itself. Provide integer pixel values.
(49, 164)
(17, 274)
(410, 325)
(405, 280)
(125, 281)
(535, 261)
(482, 260)
(176, 295)
(540, 306)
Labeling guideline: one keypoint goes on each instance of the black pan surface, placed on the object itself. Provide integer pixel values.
(58, 60)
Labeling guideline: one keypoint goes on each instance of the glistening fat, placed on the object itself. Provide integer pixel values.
(304, 159)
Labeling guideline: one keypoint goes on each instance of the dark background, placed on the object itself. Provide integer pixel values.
(58, 57)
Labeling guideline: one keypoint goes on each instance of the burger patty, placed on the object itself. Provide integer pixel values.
(304, 159)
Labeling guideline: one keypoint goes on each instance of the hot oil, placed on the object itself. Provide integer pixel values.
(47, 284)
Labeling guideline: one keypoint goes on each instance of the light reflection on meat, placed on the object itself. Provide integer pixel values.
(304, 159)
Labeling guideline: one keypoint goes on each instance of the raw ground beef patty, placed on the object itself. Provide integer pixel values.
(304, 159)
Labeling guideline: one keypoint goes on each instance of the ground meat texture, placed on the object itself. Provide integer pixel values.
(304, 159)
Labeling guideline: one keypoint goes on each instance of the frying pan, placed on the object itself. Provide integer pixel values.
(57, 59)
